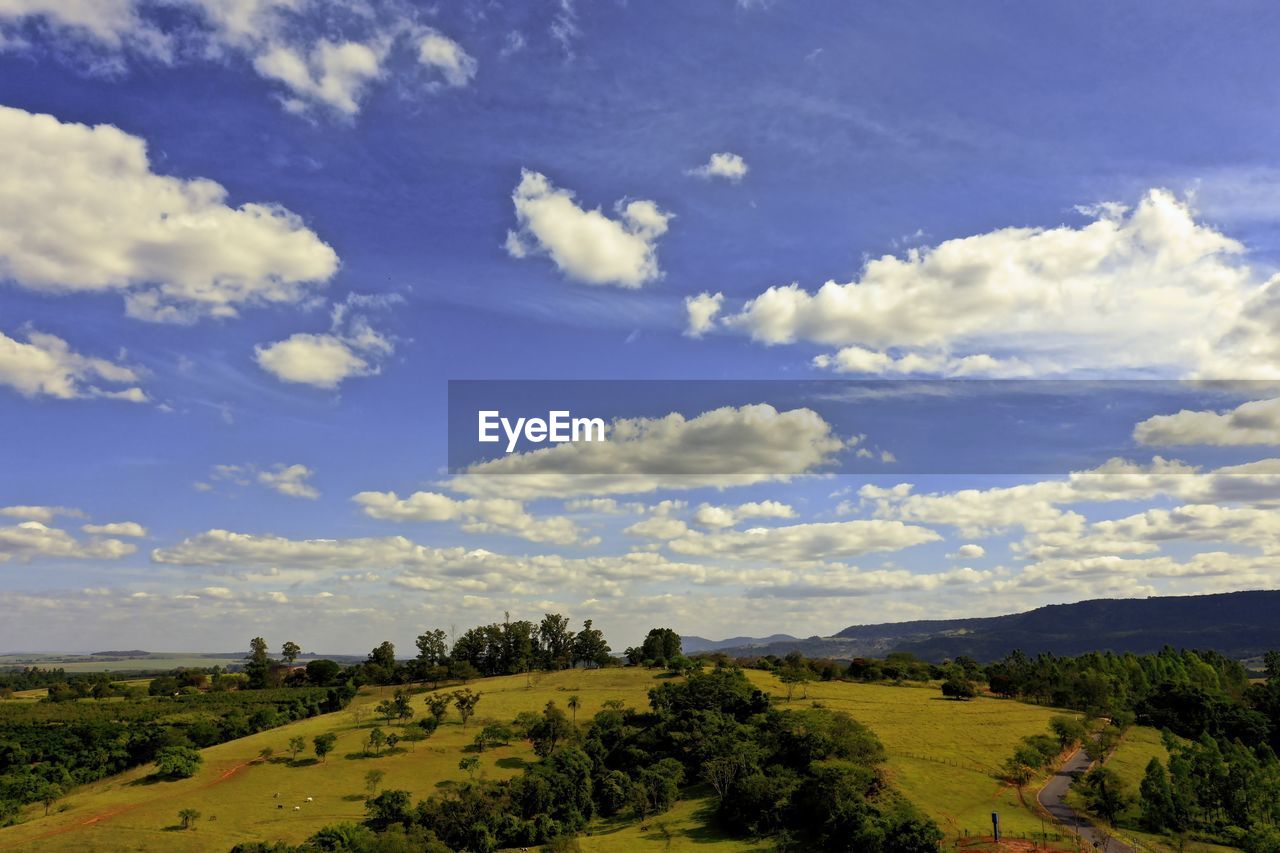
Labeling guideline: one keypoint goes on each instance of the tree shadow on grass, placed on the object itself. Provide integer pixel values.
(513, 762)
(303, 762)
(354, 798)
(152, 779)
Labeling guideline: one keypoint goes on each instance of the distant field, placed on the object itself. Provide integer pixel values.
(942, 754)
(157, 662)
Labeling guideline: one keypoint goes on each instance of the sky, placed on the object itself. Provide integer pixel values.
(793, 250)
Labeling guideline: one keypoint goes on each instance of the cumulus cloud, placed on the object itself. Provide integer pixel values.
(291, 480)
(117, 528)
(969, 551)
(724, 164)
(708, 515)
(351, 347)
(44, 514)
(322, 54)
(1254, 423)
(436, 50)
(31, 540)
(1143, 289)
(702, 310)
(46, 366)
(801, 543)
(586, 245)
(729, 446)
(82, 211)
(476, 515)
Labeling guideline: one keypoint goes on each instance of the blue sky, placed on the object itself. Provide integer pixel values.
(613, 191)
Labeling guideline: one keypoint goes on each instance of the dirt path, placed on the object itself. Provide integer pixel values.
(101, 816)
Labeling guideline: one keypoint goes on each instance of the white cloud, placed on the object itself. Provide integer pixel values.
(436, 50)
(477, 515)
(335, 74)
(725, 165)
(117, 528)
(586, 245)
(351, 347)
(30, 540)
(225, 548)
(1144, 290)
(81, 211)
(708, 515)
(1253, 423)
(45, 514)
(721, 448)
(702, 310)
(46, 366)
(291, 480)
(801, 543)
(969, 551)
(322, 53)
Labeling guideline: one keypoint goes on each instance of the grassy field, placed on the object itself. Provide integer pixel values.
(942, 754)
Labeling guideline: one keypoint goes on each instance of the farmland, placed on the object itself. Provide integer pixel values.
(943, 755)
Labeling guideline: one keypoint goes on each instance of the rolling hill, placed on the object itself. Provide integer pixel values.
(1238, 624)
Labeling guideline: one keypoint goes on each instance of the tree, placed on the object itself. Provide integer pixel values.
(178, 762)
(792, 674)
(1068, 730)
(389, 807)
(958, 688)
(381, 662)
(258, 664)
(465, 701)
(1156, 799)
(720, 772)
(188, 817)
(574, 704)
(49, 795)
(550, 730)
(1104, 793)
(438, 704)
(265, 753)
(324, 745)
(373, 779)
(589, 646)
(469, 764)
(297, 743)
(290, 651)
(322, 672)
(433, 650)
(376, 740)
(555, 642)
(1271, 663)
(660, 646)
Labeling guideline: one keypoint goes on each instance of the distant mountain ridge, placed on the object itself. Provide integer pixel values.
(1238, 624)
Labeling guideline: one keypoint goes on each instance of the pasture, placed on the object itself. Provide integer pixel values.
(942, 754)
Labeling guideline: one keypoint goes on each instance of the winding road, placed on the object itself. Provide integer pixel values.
(1053, 798)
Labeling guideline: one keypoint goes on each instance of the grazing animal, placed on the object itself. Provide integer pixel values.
(297, 808)
(280, 805)
(308, 799)
(276, 795)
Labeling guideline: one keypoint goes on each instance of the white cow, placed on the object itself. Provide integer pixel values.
(308, 799)
(297, 808)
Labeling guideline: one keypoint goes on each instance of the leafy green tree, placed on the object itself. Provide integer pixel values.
(290, 651)
(1156, 799)
(660, 645)
(324, 745)
(389, 807)
(433, 648)
(49, 795)
(377, 738)
(438, 704)
(1068, 730)
(589, 646)
(373, 779)
(297, 743)
(465, 701)
(178, 762)
(555, 642)
(258, 664)
(188, 817)
(470, 764)
(958, 688)
(1104, 793)
(266, 753)
(552, 729)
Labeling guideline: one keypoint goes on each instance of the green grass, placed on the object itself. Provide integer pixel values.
(943, 755)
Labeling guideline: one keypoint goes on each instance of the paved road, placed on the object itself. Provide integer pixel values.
(1052, 797)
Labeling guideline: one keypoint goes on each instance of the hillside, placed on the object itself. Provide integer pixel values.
(1238, 624)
